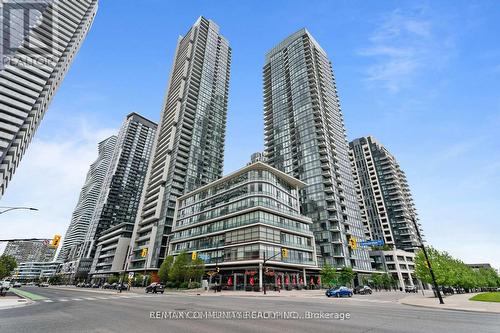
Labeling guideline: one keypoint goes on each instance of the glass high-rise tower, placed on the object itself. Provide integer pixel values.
(306, 138)
(38, 41)
(87, 202)
(189, 147)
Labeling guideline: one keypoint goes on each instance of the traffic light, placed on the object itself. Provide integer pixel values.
(217, 269)
(284, 253)
(353, 244)
(55, 241)
(267, 270)
(194, 255)
(144, 252)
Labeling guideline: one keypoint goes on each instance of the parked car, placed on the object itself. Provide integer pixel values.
(121, 286)
(339, 292)
(31, 284)
(5, 285)
(44, 285)
(155, 288)
(17, 285)
(411, 289)
(363, 290)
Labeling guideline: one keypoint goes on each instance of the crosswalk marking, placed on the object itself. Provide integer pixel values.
(97, 298)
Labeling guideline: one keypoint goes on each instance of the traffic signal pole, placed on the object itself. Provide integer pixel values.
(434, 282)
(266, 260)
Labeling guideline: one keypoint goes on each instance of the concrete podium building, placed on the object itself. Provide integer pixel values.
(38, 41)
(242, 219)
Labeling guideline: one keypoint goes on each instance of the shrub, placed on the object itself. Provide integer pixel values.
(184, 285)
(194, 285)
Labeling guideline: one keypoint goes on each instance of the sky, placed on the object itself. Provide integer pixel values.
(423, 78)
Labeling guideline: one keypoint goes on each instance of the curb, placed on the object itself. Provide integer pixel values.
(20, 305)
(449, 308)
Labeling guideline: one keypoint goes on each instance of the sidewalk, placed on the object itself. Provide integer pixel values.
(11, 300)
(454, 302)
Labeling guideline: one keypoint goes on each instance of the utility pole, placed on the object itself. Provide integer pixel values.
(434, 282)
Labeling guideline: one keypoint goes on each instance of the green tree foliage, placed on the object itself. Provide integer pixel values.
(329, 275)
(453, 272)
(56, 279)
(185, 269)
(113, 279)
(195, 270)
(346, 276)
(7, 265)
(165, 268)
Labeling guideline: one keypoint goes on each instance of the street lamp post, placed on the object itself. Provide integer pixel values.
(8, 209)
(434, 283)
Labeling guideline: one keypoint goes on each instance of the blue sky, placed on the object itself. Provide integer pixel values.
(422, 78)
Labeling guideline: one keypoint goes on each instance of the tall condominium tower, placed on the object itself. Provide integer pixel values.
(87, 202)
(189, 147)
(30, 250)
(118, 202)
(384, 196)
(305, 137)
(38, 41)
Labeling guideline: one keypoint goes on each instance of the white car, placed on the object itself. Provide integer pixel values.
(17, 285)
(4, 285)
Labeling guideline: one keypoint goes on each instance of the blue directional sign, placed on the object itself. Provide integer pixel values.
(203, 256)
(375, 242)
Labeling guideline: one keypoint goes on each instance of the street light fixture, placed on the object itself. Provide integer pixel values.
(7, 209)
(422, 246)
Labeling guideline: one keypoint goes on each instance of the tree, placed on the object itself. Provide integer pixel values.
(196, 270)
(165, 268)
(56, 279)
(113, 279)
(7, 265)
(178, 272)
(329, 275)
(377, 281)
(346, 275)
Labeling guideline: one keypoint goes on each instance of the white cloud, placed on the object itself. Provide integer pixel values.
(49, 178)
(403, 44)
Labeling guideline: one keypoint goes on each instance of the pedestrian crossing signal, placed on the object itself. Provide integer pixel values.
(194, 255)
(144, 252)
(284, 253)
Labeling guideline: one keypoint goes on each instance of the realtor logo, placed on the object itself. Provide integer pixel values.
(17, 19)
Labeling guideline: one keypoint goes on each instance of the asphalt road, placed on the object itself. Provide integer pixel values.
(85, 311)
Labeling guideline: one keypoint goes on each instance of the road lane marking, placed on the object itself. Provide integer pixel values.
(48, 300)
(89, 298)
(77, 299)
(63, 300)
